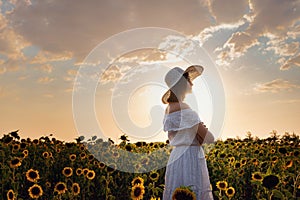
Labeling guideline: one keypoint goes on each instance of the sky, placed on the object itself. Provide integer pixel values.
(50, 50)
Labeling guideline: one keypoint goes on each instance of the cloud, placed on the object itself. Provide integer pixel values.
(45, 68)
(71, 74)
(2, 70)
(235, 47)
(294, 61)
(294, 32)
(287, 101)
(209, 32)
(229, 11)
(272, 16)
(280, 46)
(111, 74)
(11, 43)
(44, 57)
(269, 18)
(45, 80)
(48, 95)
(275, 86)
(84, 25)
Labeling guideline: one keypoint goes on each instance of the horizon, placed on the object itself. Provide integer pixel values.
(74, 69)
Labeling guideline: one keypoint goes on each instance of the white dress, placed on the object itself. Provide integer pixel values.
(187, 164)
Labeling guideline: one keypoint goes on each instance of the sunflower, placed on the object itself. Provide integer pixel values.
(14, 163)
(23, 145)
(90, 174)
(85, 171)
(289, 164)
(82, 148)
(75, 189)
(46, 154)
(137, 180)
(272, 151)
(274, 159)
(25, 151)
(296, 153)
(237, 165)
(183, 193)
(32, 175)
(256, 176)
(67, 171)
(230, 192)
(60, 188)
(241, 172)
(7, 139)
(10, 195)
(154, 198)
(255, 161)
(128, 147)
(90, 157)
(96, 162)
(256, 151)
(261, 153)
(137, 192)
(222, 185)
(48, 184)
(16, 147)
(243, 161)
(72, 157)
(101, 165)
(138, 166)
(35, 141)
(111, 168)
(139, 144)
(116, 154)
(222, 155)
(282, 150)
(270, 181)
(78, 171)
(83, 155)
(35, 191)
(231, 159)
(154, 176)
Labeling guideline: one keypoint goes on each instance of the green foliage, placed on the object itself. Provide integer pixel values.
(233, 160)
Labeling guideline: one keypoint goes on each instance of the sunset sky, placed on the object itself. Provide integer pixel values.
(254, 46)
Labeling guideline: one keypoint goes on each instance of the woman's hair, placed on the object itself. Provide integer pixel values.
(178, 91)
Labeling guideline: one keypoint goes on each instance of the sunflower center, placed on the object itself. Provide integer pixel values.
(137, 192)
(15, 161)
(60, 187)
(10, 195)
(35, 190)
(75, 188)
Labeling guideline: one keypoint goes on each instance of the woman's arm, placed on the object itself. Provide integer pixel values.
(203, 135)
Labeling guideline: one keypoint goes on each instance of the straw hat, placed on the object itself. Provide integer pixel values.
(174, 75)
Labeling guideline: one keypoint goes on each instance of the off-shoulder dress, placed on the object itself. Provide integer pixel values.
(187, 164)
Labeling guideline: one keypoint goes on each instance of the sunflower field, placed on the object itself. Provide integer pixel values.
(47, 168)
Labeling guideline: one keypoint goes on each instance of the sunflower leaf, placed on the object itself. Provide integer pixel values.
(277, 194)
(288, 194)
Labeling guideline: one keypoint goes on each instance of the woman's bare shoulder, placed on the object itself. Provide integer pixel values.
(173, 107)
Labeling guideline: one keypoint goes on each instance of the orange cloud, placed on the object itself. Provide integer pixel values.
(45, 80)
(275, 86)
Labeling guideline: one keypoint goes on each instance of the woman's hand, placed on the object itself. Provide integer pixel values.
(203, 135)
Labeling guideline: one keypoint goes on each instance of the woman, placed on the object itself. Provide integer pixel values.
(187, 164)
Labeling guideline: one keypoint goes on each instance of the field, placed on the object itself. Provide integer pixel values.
(47, 168)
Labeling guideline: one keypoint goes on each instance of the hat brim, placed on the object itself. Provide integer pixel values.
(193, 72)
